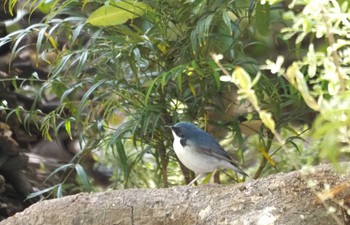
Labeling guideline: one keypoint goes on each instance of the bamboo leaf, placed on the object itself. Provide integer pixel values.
(61, 168)
(85, 97)
(59, 191)
(38, 193)
(123, 157)
(267, 156)
(192, 89)
(149, 90)
(67, 126)
(227, 21)
(82, 62)
(83, 177)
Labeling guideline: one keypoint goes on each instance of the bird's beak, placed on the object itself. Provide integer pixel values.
(169, 126)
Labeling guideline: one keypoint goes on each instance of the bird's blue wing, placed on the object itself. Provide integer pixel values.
(209, 146)
(206, 144)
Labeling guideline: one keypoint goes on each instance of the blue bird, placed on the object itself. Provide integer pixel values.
(199, 151)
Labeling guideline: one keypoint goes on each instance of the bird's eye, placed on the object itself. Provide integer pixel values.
(177, 130)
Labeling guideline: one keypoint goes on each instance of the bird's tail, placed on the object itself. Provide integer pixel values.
(237, 169)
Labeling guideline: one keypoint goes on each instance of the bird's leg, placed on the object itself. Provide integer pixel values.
(201, 175)
(212, 178)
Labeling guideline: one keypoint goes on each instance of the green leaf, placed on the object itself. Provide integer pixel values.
(45, 6)
(18, 113)
(207, 178)
(63, 167)
(237, 132)
(121, 12)
(59, 191)
(38, 193)
(63, 62)
(67, 126)
(262, 18)
(227, 20)
(149, 90)
(216, 74)
(82, 62)
(86, 96)
(83, 177)
(123, 157)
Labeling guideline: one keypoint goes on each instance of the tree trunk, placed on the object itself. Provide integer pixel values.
(293, 198)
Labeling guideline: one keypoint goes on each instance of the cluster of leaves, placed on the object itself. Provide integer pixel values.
(131, 67)
(321, 75)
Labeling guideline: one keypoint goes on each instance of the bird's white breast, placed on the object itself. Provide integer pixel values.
(193, 160)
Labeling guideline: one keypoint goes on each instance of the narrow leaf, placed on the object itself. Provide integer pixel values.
(227, 20)
(266, 118)
(123, 157)
(85, 97)
(59, 191)
(83, 177)
(38, 193)
(267, 156)
(149, 90)
(67, 126)
(192, 89)
(63, 167)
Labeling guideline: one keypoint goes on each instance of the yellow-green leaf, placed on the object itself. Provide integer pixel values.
(267, 156)
(241, 78)
(117, 14)
(67, 126)
(296, 78)
(266, 118)
(192, 89)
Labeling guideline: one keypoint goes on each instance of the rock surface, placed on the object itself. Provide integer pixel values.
(293, 198)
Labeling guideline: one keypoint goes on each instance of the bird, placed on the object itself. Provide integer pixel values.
(199, 151)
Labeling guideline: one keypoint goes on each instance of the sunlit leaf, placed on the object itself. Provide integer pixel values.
(296, 78)
(266, 118)
(117, 14)
(241, 78)
(267, 156)
(67, 126)
(207, 178)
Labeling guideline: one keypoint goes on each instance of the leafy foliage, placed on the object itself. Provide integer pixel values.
(124, 69)
(321, 75)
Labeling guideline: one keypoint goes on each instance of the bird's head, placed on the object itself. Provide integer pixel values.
(184, 129)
